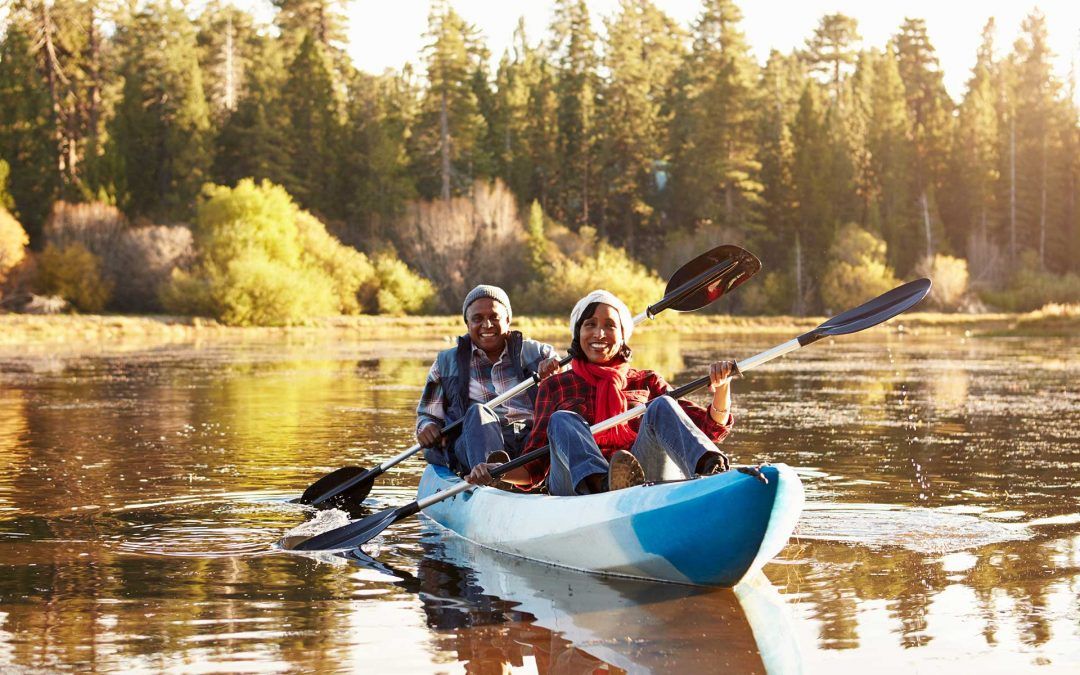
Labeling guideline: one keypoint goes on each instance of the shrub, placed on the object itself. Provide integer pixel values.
(266, 262)
(400, 291)
(74, 274)
(351, 272)
(950, 277)
(1032, 287)
(259, 291)
(772, 296)
(857, 269)
(96, 227)
(13, 242)
(144, 261)
(564, 279)
(6, 200)
(464, 241)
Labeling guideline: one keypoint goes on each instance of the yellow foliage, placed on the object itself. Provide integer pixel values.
(13, 242)
(400, 290)
(857, 269)
(950, 277)
(74, 274)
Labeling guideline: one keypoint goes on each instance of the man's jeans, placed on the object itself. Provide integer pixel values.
(666, 433)
(482, 433)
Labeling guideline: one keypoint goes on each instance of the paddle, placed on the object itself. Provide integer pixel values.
(864, 316)
(696, 284)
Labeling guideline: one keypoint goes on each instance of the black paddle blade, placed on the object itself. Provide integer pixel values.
(354, 534)
(721, 270)
(871, 313)
(332, 480)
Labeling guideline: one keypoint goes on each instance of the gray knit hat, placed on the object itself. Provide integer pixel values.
(485, 291)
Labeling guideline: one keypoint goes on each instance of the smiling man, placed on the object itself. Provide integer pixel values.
(489, 360)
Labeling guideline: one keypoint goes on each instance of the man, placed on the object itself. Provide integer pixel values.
(488, 361)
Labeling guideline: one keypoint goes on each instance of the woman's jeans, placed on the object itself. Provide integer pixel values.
(665, 433)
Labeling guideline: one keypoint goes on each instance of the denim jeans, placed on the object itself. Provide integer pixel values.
(482, 433)
(666, 433)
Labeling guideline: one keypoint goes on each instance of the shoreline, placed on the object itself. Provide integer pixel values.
(94, 331)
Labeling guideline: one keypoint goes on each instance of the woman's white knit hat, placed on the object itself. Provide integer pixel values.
(625, 318)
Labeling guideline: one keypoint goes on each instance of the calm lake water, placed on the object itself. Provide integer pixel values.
(142, 492)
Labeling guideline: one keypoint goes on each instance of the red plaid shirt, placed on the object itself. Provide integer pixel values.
(567, 391)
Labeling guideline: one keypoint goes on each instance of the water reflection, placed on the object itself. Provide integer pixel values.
(141, 493)
(494, 610)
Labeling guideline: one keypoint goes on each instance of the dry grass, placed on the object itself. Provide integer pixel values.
(74, 332)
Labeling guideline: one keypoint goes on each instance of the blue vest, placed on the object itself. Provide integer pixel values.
(454, 368)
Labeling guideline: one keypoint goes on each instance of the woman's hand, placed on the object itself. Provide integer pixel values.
(720, 374)
(481, 474)
(548, 367)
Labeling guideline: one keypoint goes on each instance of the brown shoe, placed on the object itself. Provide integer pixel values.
(624, 471)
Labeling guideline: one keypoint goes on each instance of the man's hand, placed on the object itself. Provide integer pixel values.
(481, 474)
(429, 435)
(548, 367)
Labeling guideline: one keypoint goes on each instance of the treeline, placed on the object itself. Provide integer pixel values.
(843, 166)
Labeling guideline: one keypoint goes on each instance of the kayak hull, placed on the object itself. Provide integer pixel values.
(710, 531)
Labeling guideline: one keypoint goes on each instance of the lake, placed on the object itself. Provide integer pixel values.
(144, 489)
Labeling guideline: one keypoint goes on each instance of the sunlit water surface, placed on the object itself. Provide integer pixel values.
(142, 494)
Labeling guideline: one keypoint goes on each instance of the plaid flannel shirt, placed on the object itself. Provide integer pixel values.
(568, 391)
(486, 381)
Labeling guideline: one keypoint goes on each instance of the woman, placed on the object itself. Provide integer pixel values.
(600, 384)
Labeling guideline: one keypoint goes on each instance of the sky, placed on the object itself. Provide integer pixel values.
(387, 34)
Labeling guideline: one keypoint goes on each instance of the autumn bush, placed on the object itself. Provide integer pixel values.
(464, 241)
(400, 291)
(950, 277)
(13, 242)
(857, 269)
(74, 273)
(560, 279)
(264, 261)
(135, 261)
(1031, 287)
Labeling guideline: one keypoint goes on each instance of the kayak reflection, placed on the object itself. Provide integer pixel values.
(497, 611)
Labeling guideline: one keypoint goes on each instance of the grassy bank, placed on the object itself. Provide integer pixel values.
(69, 332)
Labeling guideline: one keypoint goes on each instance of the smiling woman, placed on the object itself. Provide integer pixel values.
(601, 385)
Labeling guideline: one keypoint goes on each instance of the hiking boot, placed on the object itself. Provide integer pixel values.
(624, 471)
(712, 463)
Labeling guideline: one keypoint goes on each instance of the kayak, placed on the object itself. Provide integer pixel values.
(710, 531)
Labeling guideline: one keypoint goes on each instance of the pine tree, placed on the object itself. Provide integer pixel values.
(573, 51)
(782, 82)
(714, 133)
(1037, 137)
(26, 131)
(162, 124)
(975, 161)
(517, 75)
(375, 169)
(642, 55)
(893, 164)
(323, 20)
(310, 100)
(832, 47)
(930, 110)
(447, 141)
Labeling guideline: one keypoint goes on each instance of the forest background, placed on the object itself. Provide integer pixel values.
(155, 157)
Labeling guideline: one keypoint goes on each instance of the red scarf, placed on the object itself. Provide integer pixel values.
(610, 384)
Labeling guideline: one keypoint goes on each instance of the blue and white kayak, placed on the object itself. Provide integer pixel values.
(711, 531)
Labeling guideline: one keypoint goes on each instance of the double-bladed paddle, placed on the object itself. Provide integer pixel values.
(864, 316)
(696, 284)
